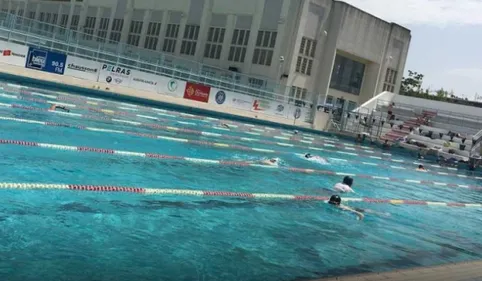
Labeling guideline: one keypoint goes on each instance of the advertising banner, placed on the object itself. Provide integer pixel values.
(270, 107)
(115, 75)
(144, 81)
(82, 68)
(197, 92)
(48, 61)
(226, 98)
(300, 114)
(171, 87)
(13, 54)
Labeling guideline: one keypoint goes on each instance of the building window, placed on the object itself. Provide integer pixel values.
(304, 63)
(265, 43)
(74, 23)
(239, 44)
(89, 28)
(135, 31)
(152, 36)
(189, 42)
(116, 30)
(170, 39)
(329, 99)
(347, 75)
(63, 20)
(256, 83)
(103, 27)
(31, 15)
(298, 95)
(20, 13)
(351, 105)
(390, 80)
(214, 44)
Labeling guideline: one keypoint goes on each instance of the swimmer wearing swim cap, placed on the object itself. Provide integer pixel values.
(54, 107)
(335, 200)
(308, 156)
(421, 168)
(344, 187)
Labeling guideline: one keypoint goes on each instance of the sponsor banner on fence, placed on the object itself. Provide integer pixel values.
(13, 54)
(300, 114)
(197, 92)
(48, 61)
(270, 107)
(115, 75)
(230, 99)
(144, 81)
(82, 68)
(171, 87)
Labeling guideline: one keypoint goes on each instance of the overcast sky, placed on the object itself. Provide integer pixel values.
(446, 39)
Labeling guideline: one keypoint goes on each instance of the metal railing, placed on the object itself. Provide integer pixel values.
(32, 32)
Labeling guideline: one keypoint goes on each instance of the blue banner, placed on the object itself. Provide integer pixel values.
(47, 61)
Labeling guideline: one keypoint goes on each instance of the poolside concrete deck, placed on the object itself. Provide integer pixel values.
(467, 271)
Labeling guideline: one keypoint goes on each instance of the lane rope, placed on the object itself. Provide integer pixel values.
(212, 144)
(333, 147)
(224, 194)
(308, 139)
(161, 157)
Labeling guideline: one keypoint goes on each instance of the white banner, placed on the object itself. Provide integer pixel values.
(270, 107)
(13, 54)
(171, 87)
(82, 68)
(115, 75)
(300, 114)
(230, 99)
(144, 81)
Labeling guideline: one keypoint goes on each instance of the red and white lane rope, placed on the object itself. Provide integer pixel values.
(162, 157)
(226, 194)
(330, 146)
(60, 96)
(214, 144)
(257, 132)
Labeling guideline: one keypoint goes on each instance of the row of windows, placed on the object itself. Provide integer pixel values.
(390, 80)
(304, 62)
(340, 103)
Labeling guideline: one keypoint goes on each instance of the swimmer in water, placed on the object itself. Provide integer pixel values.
(344, 187)
(335, 200)
(270, 162)
(308, 156)
(421, 168)
(318, 159)
(54, 107)
(226, 126)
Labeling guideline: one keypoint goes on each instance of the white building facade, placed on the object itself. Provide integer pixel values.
(321, 50)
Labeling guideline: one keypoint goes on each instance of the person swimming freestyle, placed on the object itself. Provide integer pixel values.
(335, 200)
(345, 186)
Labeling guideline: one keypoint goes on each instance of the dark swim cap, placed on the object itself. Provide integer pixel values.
(420, 167)
(348, 181)
(335, 200)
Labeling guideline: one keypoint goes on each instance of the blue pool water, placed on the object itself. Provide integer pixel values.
(68, 235)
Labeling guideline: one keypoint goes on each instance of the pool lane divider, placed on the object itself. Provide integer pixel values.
(257, 132)
(283, 136)
(222, 194)
(212, 144)
(334, 147)
(131, 107)
(203, 161)
(210, 134)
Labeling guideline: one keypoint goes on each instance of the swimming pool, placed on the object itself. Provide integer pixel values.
(197, 208)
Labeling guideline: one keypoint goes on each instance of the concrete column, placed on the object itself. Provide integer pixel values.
(145, 25)
(277, 68)
(127, 21)
(111, 22)
(71, 13)
(325, 66)
(98, 16)
(162, 32)
(203, 30)
(83, 15)
(401, 66)
(230, 22)
(9, 5)
(180, 36)
(255, 25)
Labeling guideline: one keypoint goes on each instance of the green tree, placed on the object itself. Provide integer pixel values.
(412, 85)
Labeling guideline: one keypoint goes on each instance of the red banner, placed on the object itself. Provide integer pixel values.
(197, 92)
